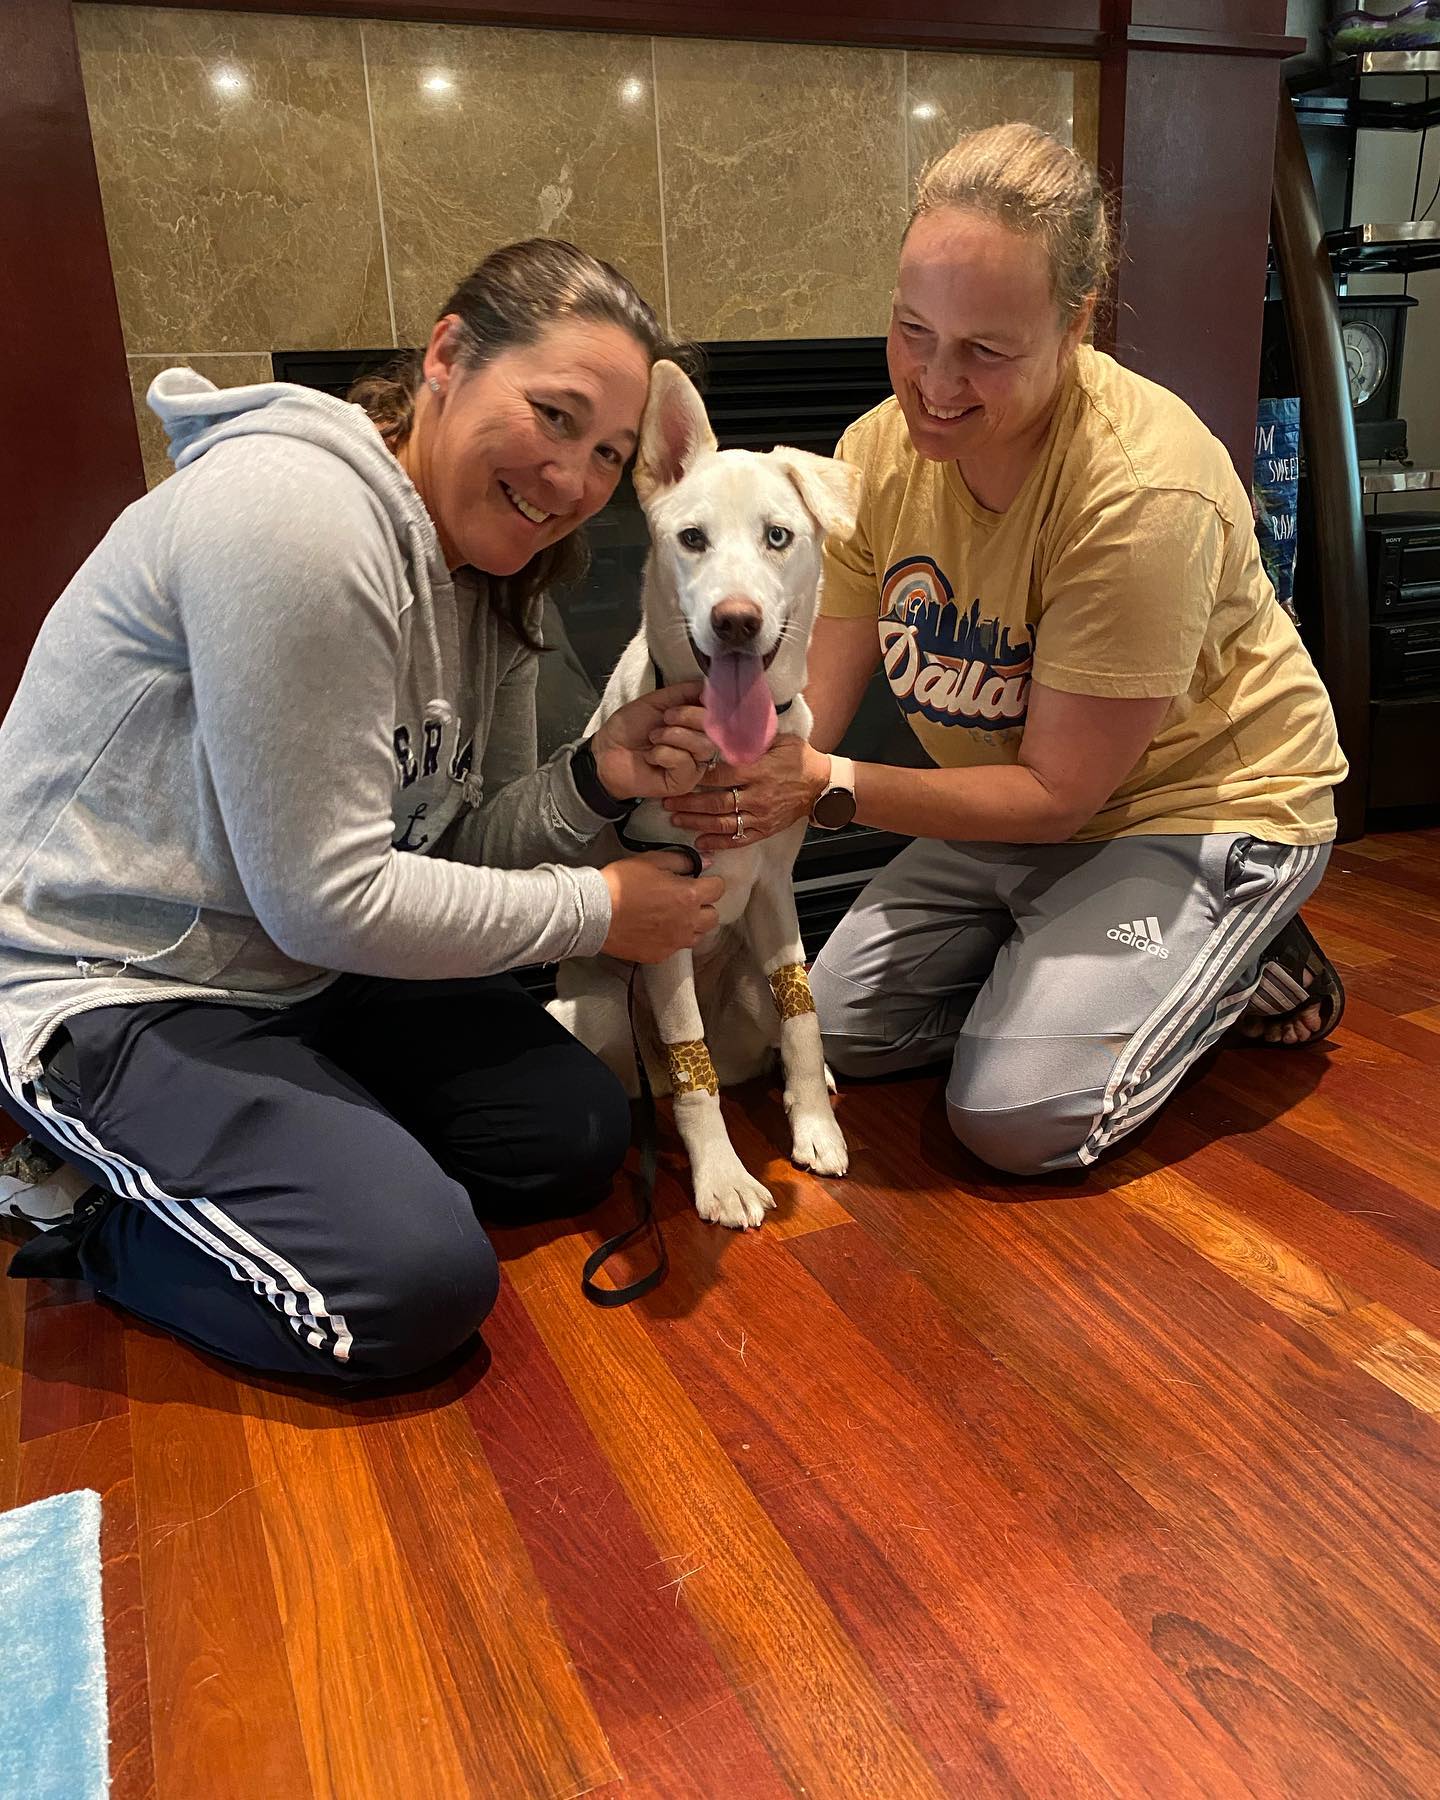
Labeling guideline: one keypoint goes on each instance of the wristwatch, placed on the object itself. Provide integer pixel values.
(836, 805)
(590, 787)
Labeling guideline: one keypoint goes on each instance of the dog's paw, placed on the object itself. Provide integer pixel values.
(818, 1144)
(732, 1196)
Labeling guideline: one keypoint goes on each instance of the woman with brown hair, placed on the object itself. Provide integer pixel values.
(1057, 567)
(273, 832)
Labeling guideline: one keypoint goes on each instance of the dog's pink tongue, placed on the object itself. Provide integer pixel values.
(739, 713)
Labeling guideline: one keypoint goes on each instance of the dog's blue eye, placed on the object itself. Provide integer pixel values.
(693, 538)
(778, 537)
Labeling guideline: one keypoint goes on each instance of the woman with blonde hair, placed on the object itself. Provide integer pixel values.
(1056, 565)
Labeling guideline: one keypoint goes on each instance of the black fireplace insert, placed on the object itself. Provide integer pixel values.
(802, 392)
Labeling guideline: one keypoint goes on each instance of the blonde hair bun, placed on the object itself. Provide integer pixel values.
(1026, 179)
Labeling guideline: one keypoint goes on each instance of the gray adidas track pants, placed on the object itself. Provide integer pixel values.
(1070, 986)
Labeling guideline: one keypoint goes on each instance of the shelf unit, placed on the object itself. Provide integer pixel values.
(1381, 249)
(1339, 95)
(1400, 481)
(1317, 249)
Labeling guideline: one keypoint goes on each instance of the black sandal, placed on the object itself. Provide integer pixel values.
(1282, 996)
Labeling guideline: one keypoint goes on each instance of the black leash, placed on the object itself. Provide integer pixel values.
(647, 1137)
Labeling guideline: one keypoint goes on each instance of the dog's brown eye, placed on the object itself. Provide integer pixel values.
(693, 538)
(779, 537)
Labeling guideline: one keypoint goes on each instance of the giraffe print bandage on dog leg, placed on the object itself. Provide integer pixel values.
(791, 988)
(691, 1070)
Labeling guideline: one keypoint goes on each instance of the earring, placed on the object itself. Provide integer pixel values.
(434, 385)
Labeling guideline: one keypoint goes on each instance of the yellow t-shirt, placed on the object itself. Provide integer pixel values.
(1126, 565)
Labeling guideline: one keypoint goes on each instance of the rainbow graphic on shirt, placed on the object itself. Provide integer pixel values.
(951, 667)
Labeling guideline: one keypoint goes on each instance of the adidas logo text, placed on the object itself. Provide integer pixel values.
(1141, 934)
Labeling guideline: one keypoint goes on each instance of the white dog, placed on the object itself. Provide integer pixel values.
(731, 590)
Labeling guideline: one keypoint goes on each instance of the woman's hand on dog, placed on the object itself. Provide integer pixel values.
(641, 756)
(764, 797)
(657, 907)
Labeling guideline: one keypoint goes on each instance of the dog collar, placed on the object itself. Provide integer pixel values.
(661, 682)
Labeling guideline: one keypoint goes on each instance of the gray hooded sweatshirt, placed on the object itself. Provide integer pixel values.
(263, 738)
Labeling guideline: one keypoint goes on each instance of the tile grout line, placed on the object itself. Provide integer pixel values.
(162, 355)
(904, 134)
(379, 191)
(660, 185)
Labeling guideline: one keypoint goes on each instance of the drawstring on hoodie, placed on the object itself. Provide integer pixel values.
(89, 966)
(437, 707)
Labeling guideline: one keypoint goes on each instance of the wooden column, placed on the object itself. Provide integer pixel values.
(1188, 90)
(69, 454)
(1340, 600)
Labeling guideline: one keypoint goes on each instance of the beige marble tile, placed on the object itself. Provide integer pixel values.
(948, 94)
(485, 135)
(784, 177)
(225, 371)
(238, 179)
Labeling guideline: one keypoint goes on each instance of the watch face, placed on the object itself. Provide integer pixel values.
(1366, 359)
(834, 808)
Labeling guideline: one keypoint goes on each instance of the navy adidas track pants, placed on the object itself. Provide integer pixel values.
(302, 1191)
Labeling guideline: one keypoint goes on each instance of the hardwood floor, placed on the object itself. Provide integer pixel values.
(941, 1484)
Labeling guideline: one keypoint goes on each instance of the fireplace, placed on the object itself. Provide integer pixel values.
(802, 392)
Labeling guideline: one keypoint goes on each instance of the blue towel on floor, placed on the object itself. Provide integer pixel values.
(54, 1739)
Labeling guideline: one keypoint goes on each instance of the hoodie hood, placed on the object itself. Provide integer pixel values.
(197, 416)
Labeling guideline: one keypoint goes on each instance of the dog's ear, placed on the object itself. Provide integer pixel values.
(673, 432)
(830, 489)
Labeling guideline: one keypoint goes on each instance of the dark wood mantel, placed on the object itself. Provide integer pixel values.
(1188, 91)
(1028, 27)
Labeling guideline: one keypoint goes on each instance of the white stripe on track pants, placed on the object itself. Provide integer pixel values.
(1069, 986)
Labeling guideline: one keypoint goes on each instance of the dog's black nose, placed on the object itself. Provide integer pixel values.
(736, 623)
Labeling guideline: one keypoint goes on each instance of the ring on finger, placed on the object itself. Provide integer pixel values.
(739, 826)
